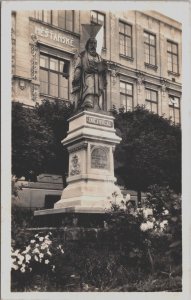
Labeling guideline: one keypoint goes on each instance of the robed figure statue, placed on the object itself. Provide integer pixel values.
(89, 80)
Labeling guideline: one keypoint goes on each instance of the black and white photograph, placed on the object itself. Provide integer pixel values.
(96, 149)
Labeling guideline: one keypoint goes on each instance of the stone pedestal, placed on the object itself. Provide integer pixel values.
(91, 188)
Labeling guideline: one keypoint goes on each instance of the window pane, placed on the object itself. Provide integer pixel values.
(93, 16)
(174, 48)
(129, 89)
(152, 60)
(154, 108)
(129, 103)
(61, 19)
(62, 66)
(152, 39)
(122, 87)
(69, 20)
(146, 37)
(169, 47)
(63, 87)
(121, 27)
(44, 81)
(128, 30)
(100, 19)
(153, 96)
(53, 84)
(53, 64)
(152, 51)
(44, 61)
(148, 105)
(47, 16)
(177, 115)
(123, 101)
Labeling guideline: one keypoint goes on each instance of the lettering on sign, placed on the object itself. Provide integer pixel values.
(100, 158)
(46, 33)
(100, 122)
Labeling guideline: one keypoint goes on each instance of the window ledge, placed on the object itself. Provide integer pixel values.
(173, 73)
(154, 67)
(126, 57)
(54, 26)
(52, 98)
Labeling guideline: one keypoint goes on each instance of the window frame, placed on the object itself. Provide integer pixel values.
(174, 108)
(150, 46)
(150, 100)
(104, 26)
(58, 72)
(173, 54)
(127, 94)
(126, 36)
(41, 18)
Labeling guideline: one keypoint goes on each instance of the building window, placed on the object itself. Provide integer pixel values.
(150, 48)
(172, 54)
(174, 108)
(54, 77)
(66, 19)
(99, 18)
(151, 100)
(43, 15)
(126, 95)
(125, 39)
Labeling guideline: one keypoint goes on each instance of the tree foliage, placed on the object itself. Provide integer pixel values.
(36, 139)
(150, 150)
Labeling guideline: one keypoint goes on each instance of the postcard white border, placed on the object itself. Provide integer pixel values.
(178, 10)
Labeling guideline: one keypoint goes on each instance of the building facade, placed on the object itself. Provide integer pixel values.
(143, 52)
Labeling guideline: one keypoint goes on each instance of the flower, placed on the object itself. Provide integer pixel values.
(32, 241)
(27, 258)
(36, 257)
(62, 251)
(41, 239)
(15, 267)
(150, 225)
(41, 255)
(143, 227)
(49, 253)
(46, 261)
(36, 250)
(165, 212)
(22, 269)
(36, 235)
(43, 246)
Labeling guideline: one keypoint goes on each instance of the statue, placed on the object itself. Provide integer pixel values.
(89, 79)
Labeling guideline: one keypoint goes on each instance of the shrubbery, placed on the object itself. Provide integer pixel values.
(133, 252)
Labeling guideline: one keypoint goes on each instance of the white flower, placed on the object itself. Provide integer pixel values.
(30, 269)
(41, 239)
(72, 276)
(15, 267)
(143, 227)
(43, 246)
(49, 253)
(15, 253)
(46, 261)
(32, 241)
(36, 250)
(36, 257)
(47, 236)
(62, 251)
(165, 212)
(150, 225)
(27, 258)
(41, 255)
(13, 259)
(22, 270)
(37, 245)
(36, 235)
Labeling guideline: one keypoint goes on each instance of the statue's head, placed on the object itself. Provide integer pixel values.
(91, 46)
